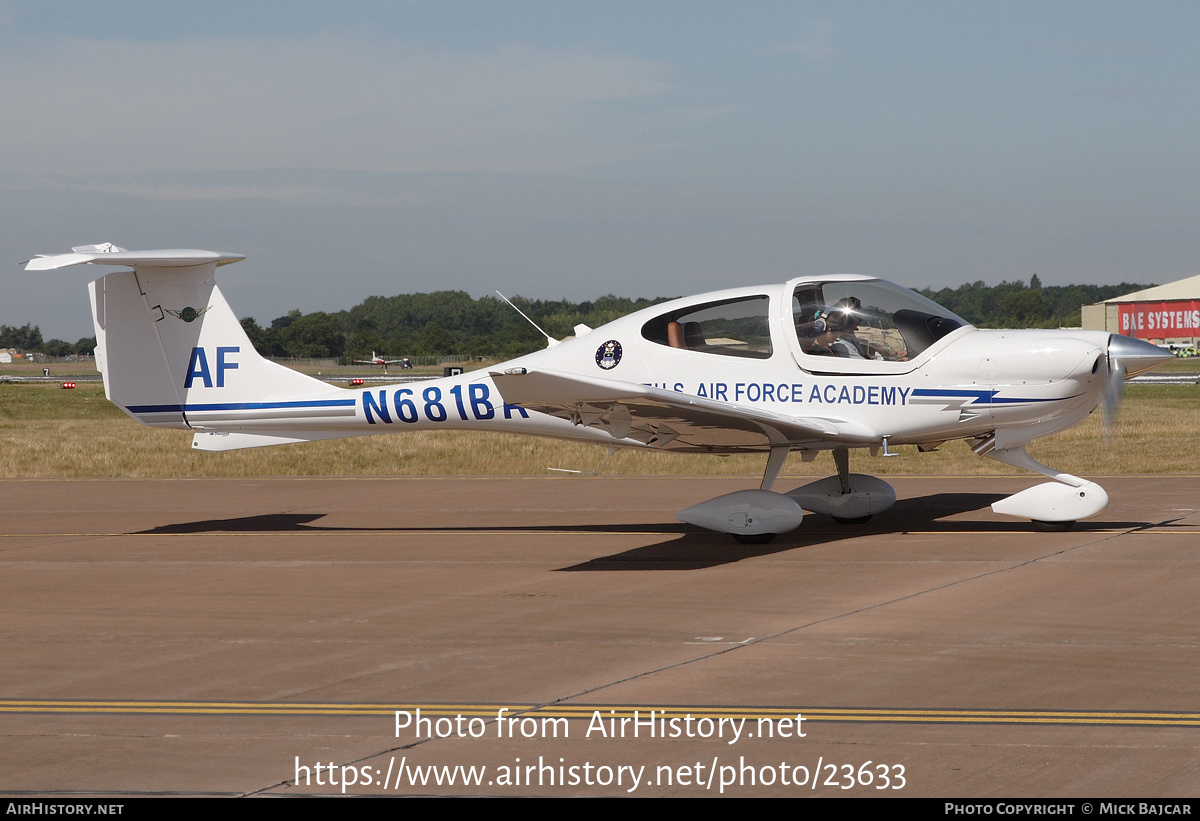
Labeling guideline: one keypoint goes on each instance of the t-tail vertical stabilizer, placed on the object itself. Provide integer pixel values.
(173, 354)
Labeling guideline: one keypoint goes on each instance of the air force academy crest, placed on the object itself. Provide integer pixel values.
(608, 355)
(188, 314)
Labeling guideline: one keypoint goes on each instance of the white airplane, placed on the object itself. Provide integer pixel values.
(376, 359)
(819, 363)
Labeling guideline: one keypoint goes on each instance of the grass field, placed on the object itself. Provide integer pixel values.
(87, 367)
(47, 432)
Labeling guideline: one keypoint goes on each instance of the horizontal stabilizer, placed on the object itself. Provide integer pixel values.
(108, 254)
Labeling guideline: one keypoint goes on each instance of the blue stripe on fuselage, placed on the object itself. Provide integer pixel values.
(222, 406)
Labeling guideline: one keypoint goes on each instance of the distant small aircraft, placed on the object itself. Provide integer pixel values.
(821, 363)
(376, 359)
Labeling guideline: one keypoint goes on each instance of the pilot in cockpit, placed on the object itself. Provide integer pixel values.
(834, 329)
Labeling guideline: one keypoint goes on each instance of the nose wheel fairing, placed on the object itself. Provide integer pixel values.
(1067, 499)
(1052, 502)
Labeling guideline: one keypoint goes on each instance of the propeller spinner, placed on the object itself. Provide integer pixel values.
(1127, 357)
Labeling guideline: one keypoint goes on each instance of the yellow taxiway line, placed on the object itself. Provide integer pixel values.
(606, 711)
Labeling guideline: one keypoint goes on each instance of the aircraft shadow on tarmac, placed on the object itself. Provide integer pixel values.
(686, 547)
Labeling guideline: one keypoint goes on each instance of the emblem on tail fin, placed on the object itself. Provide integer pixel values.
(189, 313)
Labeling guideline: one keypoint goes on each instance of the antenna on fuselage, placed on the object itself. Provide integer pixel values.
(550, 341)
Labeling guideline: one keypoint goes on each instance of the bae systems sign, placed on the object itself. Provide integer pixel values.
(1160, 320)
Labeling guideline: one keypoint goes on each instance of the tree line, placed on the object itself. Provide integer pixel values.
(29, 338)
(452, 322)
(445, 322)
(1017, 305)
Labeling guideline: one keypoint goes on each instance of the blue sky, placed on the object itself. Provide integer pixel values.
(574, 149)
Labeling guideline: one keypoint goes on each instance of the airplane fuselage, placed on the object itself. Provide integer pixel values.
(966, 384)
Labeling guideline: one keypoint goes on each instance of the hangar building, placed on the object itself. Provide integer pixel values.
(1165, 314)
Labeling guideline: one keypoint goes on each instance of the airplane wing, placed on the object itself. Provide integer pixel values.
(669, 420)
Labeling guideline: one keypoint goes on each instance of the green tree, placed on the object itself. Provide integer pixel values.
(314, 335)
(25, 338)
(1024, 309)
(57, 347)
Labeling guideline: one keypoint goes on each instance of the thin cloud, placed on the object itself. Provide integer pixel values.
(817, 46)
(1115, 91)
(193, 186)
(1078, 46)
(104, 107)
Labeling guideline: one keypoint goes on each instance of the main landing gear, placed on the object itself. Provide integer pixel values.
(757, 516)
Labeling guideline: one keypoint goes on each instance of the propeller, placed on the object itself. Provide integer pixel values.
(1113, 392)
(1127, 357)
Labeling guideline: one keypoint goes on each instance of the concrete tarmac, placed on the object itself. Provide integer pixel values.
(238, 637)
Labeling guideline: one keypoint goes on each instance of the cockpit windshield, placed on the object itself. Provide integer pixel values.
(867, 319)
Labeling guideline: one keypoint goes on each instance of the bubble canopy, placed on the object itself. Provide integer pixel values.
(881, 320)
